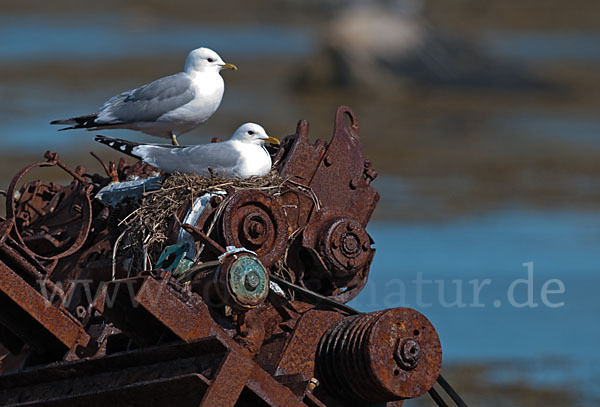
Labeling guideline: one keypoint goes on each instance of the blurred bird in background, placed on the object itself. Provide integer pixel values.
(381, 43)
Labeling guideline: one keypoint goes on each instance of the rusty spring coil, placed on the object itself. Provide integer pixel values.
(341, 363)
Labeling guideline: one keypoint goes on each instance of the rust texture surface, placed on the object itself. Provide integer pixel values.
(247, 310)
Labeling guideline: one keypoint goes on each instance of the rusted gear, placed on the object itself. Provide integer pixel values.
(341, 243)
(256, 221)
(342, 252)
(346, 246)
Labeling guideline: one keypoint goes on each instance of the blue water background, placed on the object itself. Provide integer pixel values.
(557, 345)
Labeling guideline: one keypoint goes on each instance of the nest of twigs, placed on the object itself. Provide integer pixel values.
(146, 228)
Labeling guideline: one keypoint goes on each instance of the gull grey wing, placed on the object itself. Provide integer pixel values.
(223, 158)
(149, 102)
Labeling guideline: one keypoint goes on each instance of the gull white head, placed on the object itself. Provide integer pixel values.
(254, 134)
(205, 60)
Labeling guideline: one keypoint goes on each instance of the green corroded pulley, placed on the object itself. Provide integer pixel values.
(243, 281)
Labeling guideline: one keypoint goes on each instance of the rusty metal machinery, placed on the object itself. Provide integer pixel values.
(244, 306)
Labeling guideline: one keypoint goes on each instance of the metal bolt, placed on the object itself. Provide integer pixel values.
(312, 384)
(81, 312)
(350, 243)
(334, 244)
(408, 354)
(251, 280)
(350, 227)
(256, 229)
(366, 246)
(216, 200)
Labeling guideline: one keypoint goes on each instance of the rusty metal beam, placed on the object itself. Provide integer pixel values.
(145, 309)
(177, 374)
(204, 373)
(33, 319)
(269, 390)
(229, 382)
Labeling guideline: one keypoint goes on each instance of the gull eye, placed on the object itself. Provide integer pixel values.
(250, 132)
(210, 60)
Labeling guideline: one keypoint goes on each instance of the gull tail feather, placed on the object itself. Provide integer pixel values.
(81, 122)
(123, 146)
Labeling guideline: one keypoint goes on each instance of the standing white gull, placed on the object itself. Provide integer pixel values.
(243, 155)
(167, 107)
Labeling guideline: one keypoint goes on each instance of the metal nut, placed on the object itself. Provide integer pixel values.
(408, 354)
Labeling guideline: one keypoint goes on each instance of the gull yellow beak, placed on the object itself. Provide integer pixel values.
(272, 140)
(229, 66)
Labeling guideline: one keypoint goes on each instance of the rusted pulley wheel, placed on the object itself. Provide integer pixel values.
(378, 357)
(256, 221)
(346, 246)
(341, 248)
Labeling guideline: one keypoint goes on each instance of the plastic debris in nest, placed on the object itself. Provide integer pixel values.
(115, 193)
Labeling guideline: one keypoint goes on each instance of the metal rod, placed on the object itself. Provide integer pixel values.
(314, 295)
(451, 392)
(437, 398)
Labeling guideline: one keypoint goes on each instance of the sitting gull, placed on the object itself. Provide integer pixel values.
(167, 107)
(243, 155)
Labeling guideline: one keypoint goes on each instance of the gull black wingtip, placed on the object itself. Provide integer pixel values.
(120, 145)
(62, 121)
(80, 122)
(105, 140)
